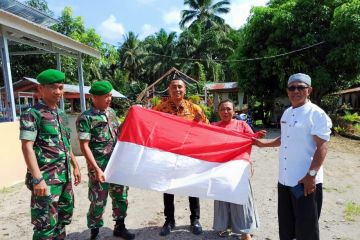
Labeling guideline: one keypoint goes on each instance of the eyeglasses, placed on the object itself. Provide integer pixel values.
(299, 88)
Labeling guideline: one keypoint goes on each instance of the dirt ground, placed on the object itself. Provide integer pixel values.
(145, 214)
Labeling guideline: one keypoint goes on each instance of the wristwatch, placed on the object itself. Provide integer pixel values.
(312, 173)
(36, 181)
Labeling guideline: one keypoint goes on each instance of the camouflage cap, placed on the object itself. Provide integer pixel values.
(100, 88)
(51, 76)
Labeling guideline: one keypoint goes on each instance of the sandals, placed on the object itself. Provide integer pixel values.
(225, 233)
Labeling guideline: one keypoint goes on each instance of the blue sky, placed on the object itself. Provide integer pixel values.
(114, 18)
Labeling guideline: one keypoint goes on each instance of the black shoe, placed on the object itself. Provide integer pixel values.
(94, 233)
(168, 226)
(196, 227)
(121, 231)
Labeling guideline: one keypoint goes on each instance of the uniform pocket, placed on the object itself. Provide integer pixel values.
(40, 211)
(50, 129)
(299, 131)
(49, 134)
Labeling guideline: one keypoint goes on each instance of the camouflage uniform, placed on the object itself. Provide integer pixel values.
(46, 127)
(101, 128)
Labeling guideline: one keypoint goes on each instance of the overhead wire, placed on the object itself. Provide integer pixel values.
(239, 60)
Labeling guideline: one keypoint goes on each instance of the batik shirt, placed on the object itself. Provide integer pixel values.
(186, 109)
(46, 127)
(101, 128)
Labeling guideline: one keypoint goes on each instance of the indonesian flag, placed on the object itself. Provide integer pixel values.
(162, 152)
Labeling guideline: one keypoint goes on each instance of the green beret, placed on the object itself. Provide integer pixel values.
(100, 88)
(51, 76)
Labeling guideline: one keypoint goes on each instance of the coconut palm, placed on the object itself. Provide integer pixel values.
(206, 49)
(162, 53)
(132, 56)
(204, 11)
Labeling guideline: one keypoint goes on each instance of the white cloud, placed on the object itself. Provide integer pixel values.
(239, 12)
(172, 17)
(111, 30)
(147, 30)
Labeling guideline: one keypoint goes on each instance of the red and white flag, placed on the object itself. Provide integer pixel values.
(162, 152)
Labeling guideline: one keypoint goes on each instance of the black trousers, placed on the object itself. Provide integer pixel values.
(169, 208)
(298, 217)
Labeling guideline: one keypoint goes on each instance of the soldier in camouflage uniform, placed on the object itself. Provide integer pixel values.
(98, 129)
(46, 148)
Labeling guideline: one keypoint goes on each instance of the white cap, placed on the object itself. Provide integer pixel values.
(300, 77)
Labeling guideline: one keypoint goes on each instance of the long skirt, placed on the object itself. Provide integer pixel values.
(238, 218)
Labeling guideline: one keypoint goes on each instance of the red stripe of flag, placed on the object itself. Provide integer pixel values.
(189, 138)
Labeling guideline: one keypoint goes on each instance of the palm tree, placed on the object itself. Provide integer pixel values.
(162, 52)
(204, 11)
(132, 56)
(206, 49)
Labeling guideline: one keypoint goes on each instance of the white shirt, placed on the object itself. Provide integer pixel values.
(298, 126)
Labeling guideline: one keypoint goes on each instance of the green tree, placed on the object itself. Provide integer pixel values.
(345, 41)
(106, 68)
(132, 56)
(283, 26)
(208, 47)
(69, 25)
(205, 11)
(74, 28)
(40, 5)
(161, 49)
(110, 70)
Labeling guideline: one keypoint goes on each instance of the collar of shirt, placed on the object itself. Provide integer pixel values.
(178, 108)
(97, 111)
(47, 108)
(306, 105)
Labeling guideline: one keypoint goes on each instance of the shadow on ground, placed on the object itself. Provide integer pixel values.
(150, 233)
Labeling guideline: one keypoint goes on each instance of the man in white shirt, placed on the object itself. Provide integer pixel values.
(305, 132)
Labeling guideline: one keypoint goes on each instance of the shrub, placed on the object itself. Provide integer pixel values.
(208, 111)
(339, 129)
(330, 102)
(347, 123)
(121, 106)
(351, 118)
(357, 129)
(194, 99)
(155, 101)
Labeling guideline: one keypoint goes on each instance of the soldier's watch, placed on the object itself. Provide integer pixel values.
(36, 181)
(312, 172)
